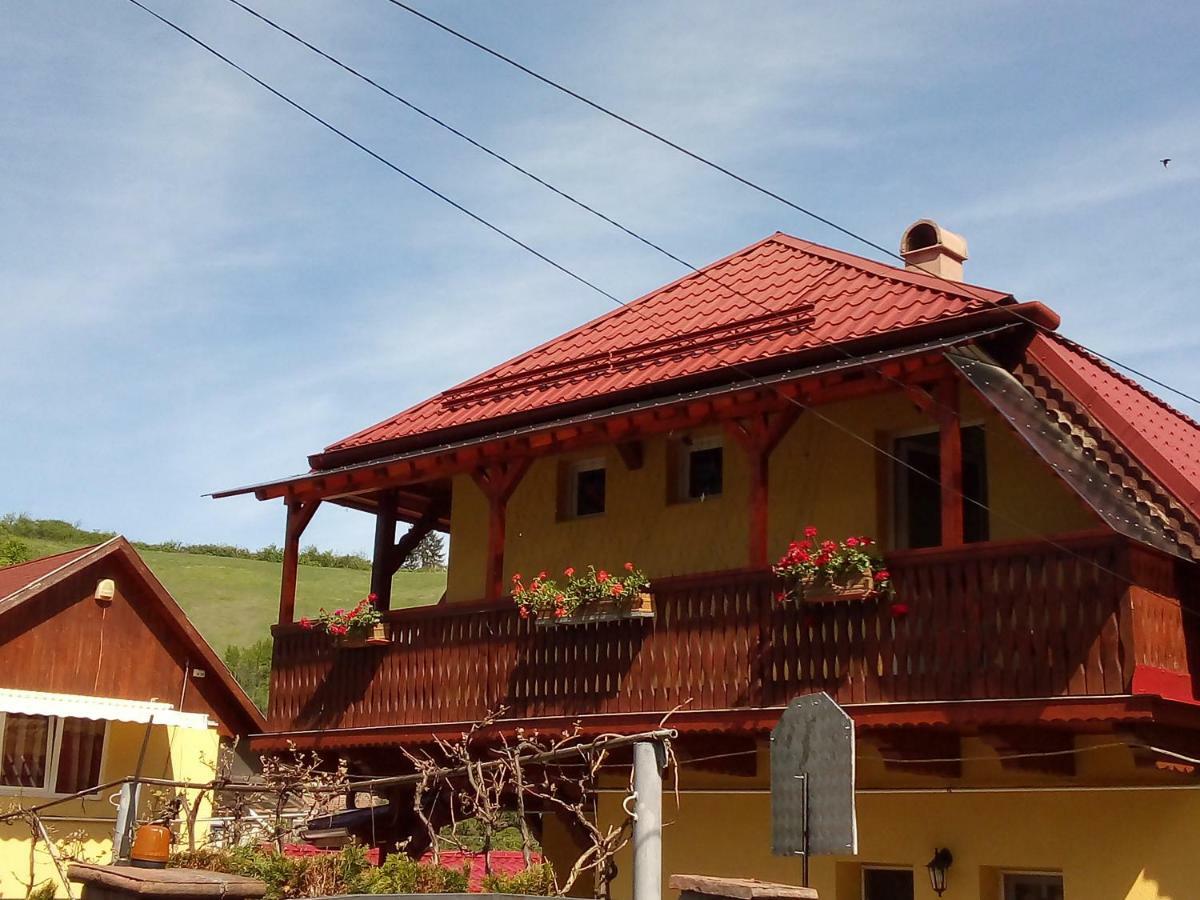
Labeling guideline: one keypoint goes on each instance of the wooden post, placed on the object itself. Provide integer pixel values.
(381, 558)
(299, 514)
(950, 453)
(498, 481)
(759, 435)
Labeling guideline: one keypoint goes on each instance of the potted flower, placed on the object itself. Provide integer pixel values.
(821, 571)
(594, 595)
(360, 626)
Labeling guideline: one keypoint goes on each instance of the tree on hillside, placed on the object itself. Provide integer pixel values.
(429, 555)
(13, 551)
(251, 667)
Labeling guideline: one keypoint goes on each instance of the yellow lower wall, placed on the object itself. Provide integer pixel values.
(182, 754)
(1112, 845)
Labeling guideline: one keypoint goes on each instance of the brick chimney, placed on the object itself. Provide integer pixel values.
(928, 247)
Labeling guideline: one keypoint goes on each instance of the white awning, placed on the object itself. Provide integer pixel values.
(78, 706)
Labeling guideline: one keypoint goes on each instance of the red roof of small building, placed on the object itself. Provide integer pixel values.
(1164, 441)
(13, 578)
(776, 298)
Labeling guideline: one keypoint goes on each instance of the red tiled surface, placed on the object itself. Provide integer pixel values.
(774, 298)
(1164, 441)
(13, 578)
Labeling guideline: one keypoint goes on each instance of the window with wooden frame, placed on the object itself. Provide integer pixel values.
(699, 468)
(584, 489)
(916, 494)
(887, 883)
(1031, 886)
(50, 755)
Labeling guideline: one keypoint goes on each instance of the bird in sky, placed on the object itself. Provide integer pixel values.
(1165, 161)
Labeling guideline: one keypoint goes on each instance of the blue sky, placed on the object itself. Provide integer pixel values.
(199, 286)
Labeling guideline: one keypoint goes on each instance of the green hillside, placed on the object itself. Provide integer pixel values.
(235, 601)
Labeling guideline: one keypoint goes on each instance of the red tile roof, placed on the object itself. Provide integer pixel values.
(1164, 441)
(776, 298)
(13, 578)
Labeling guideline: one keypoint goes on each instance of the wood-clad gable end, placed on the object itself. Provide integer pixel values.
(60, 639)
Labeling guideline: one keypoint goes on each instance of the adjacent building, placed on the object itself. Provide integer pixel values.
(102, 676)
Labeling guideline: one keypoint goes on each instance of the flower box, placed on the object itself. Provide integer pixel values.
(602, 611)
(822, 590)
(376, 636)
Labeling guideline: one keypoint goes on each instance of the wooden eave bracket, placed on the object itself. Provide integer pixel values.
(408, 542)
(632, 453)
(1045, 750)
(919, 751)
(499, 479)
(761, 432)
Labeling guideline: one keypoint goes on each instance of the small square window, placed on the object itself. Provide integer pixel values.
(887, 884)
(1021, 886)
(703, 469)
(587, 486)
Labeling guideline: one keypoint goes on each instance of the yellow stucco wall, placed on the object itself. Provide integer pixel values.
(818, 474)
(1113, 845)
(182, 754)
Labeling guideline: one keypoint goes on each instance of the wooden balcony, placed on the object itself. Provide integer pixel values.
(1089, 615)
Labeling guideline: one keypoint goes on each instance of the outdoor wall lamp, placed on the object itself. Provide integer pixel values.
(938, 866)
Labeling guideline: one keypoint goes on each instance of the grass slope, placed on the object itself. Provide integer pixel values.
(235, 601)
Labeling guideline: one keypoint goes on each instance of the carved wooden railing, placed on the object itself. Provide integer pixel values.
(996, 620)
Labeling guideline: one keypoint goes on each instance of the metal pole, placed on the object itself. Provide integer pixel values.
(647, 822)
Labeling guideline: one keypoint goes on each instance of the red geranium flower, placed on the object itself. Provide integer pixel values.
(306, 623)
(810, 531)
(602, 576)
(628, 567)
(569, 571)
(898, 610)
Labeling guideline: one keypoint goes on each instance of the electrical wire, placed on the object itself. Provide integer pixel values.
(753, 185)
(753, 380)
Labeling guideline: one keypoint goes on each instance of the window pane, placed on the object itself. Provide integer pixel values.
(1033, 887)
(704, 472)
(589, 492)
(79, 756)
(887, 884)
(918, 497)
(25, 748)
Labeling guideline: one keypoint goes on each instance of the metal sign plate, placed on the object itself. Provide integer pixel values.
(813, 744)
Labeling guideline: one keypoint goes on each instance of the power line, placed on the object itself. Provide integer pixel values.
(751, 378)
(365, 149)
(753, 185)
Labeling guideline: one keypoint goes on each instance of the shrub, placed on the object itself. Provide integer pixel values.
(13, 551)
(401, 875)
(537, 880)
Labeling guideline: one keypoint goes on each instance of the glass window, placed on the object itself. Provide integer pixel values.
(917, 498)
(1032, 887)
(26, 753)
(701, 468)
(49, 754)
(887, 884)
(79, 755)
(588, 483)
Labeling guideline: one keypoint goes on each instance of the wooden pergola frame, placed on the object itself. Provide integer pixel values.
(414, 489)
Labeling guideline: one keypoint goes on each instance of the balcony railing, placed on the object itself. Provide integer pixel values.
(998, 620)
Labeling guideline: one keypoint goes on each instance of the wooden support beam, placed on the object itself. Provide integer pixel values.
(950, 449)
(1029, 749)
(385, 541)
(299, 514)
(759, 435)
(410, 539)
(498, 480)
(632, 453)
(919, 751)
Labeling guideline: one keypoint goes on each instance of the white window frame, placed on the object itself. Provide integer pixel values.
(593, 464)
(54, 738)
(862, 876)
(1027, 873)
(687, 447)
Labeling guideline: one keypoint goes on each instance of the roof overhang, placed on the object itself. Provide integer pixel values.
(313, 480)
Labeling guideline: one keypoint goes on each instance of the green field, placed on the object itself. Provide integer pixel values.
(235, 601)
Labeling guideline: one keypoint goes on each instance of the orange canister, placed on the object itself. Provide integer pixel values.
(151, 847)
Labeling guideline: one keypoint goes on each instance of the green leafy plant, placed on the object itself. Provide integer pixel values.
(544, 596)
(537, 880)
(826, 563)
(13, 551)
(398, 874)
